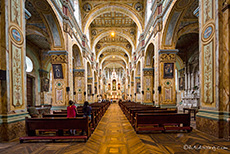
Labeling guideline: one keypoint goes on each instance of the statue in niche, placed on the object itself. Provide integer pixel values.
(114, 85)
(45, 85)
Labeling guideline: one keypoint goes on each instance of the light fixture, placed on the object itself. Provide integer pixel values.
(113, 56)
(112, 34)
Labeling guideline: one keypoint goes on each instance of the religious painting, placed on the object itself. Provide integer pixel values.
(89, 89)
(57, 71)
(168, 70)
(167, 94)
(95, 90)
(138, 88)
(119, 86)
(109, 86)
(181, 83)
(59, 95)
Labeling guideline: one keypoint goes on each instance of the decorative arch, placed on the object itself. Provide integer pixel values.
(149, 55)
(138, 72)
(108, 33)
(173, 18)
(49, 16)
(122, 58)
(117, 47)
(179, 63)
(103, 8)
(117, 64)
(89, 70)
(77, 57)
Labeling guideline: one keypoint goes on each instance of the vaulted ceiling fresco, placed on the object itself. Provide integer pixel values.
(125, 20)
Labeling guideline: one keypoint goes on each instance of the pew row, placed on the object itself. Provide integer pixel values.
(58, 124)
(161, 122)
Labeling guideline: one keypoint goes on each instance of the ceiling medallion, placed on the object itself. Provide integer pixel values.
(208, 32)
(87, 7)
(128, 46)
(138, 6)
(98, 46)
(132, 31)
(16, 35)
(94, 32)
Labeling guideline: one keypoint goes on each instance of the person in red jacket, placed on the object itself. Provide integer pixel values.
(71, 110)
(71, 113)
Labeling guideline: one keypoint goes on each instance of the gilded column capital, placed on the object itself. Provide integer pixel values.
(58, 56)
(79, 72)
(168, 55)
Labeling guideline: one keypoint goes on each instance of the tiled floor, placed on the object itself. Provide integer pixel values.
(115, 135)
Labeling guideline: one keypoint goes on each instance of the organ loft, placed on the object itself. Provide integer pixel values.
(155, 74)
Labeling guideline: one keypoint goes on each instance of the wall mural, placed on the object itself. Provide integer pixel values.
(16, 12)
(171, 27)
(208, 73)
(168, 94)
(59, 96)
(17, 76)
(54, 29)
(207, 10)
(78, 59)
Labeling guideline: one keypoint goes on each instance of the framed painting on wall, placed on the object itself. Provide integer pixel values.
(89, 89)
(168, 70)
(181, 83)
(138, 88)
(57, 71)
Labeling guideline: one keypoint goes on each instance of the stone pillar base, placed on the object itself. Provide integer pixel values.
(12, 126)
(214, 123)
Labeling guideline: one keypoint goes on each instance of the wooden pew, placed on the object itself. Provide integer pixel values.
(148, 112)
(59, 123)
(162, 122)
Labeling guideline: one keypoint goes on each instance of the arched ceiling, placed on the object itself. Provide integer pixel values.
(113, 50)
(124, 18)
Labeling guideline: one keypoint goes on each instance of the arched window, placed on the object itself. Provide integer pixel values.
(29, 65)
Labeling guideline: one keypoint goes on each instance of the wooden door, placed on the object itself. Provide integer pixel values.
(30, 91)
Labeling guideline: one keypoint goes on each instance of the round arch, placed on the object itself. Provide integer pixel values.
(89, 70)
(77, 57)
(117, 47)
(171, 25)
(56, 32)
(117, 64)
(122, 58)
(101, 9)
(150, 52)
(108, 33)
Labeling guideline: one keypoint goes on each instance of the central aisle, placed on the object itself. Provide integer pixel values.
(114, 134)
